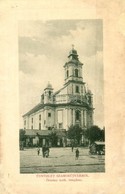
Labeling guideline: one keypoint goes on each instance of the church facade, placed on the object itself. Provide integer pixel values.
(71, 105)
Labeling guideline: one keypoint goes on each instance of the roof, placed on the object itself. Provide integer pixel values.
(42, 132)
(34, 109)
(60, 90)
(34, 132)
(40, 106)
(49, 86)
(30, 132)
(73, 52)
(100, 142)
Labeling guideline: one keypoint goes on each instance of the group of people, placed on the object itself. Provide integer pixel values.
(45, 151)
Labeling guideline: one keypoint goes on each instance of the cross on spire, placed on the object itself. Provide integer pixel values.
(72, 46)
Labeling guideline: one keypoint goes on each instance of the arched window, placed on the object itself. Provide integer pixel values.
(49, 93)
(67, 73)
(77, 89)
(77, 115)
(76, 72)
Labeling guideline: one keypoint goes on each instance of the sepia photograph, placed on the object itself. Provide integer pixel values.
(61, 96)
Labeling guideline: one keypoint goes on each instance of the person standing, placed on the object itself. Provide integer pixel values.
(77, 153)
(38, 151)
(43, 151)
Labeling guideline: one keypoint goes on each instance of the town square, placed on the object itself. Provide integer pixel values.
(61, 160)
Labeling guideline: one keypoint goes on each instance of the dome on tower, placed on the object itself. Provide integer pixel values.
(73, 52)
(89, 91)
(49, 86)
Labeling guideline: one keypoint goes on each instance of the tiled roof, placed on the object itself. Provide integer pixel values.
(36, 108)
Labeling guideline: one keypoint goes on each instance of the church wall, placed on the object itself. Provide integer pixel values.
(59, 118)
(42, 119)
(65, 121)
(30, 121)
(70, 117)
(49, 117)
(26, 122)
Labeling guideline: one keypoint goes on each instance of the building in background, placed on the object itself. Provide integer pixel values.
(71, 105)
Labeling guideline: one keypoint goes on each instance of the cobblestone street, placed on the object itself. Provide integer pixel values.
(61, 160)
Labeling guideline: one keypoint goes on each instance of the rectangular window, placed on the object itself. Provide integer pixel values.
(40, 117)
(49, 114)
(25, 122)
(32, 120)
(77, 89)
(44, 122)
(39, 126)
(32, 127)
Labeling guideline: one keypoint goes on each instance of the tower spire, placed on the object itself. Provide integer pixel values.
(73, 46)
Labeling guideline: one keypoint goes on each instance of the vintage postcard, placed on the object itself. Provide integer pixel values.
(67, 121)
(62, 102)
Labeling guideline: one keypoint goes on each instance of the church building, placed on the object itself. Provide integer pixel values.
(71, 105)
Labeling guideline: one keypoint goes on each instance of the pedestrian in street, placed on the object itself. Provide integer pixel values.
(47, 152)
(43, 151)
(77, 154)
(72, 148)
(38, 151)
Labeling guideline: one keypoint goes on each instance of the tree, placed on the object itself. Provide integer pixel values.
(94, 134)
(103, 134)
(22, 138)
(75, 133)
(53, 138)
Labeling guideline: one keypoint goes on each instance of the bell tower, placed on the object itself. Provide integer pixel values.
(48, 94)
(73, 68)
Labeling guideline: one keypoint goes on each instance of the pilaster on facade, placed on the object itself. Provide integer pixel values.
(73, 117)
(82, 122)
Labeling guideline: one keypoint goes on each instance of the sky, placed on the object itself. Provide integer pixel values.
(43, 50)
